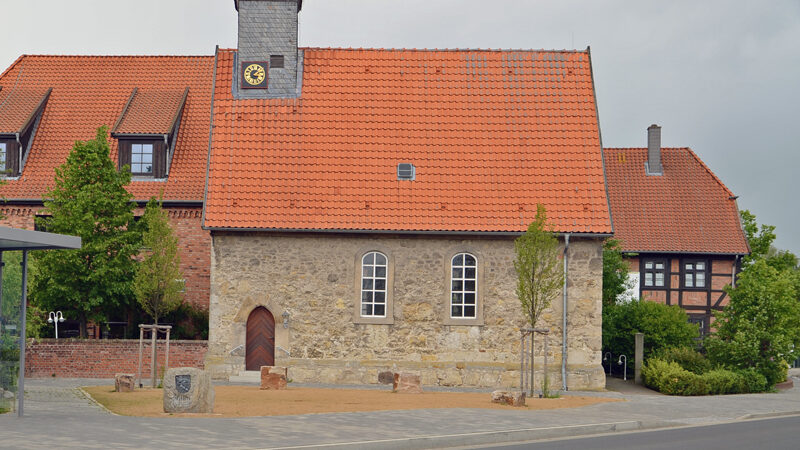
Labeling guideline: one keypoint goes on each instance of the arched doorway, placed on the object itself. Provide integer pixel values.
(260, 347)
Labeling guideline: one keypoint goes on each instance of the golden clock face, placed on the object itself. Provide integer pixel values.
(254, 74)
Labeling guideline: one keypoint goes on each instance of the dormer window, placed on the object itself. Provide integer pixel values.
(147, 130)
(21, 110)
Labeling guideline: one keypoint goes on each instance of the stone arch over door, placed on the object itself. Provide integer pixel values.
(260, 339)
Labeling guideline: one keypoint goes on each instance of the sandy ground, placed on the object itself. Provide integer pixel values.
(248, 401)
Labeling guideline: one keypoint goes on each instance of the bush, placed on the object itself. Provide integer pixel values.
(663, 326)
(687, 358)
(672, 379)
(722, 381)
(753, 380)
(668, 377)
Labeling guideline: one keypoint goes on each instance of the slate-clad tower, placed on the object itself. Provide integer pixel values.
(268, 38)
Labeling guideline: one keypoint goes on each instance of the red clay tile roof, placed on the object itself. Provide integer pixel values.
(151, 112)
(687, 209)
(17, 105)
(90, 91)
(491, 133)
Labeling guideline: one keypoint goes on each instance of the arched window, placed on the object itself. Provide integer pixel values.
(373, 285)
(463, 286)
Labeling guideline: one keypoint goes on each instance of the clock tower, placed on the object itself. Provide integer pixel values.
(268, 63)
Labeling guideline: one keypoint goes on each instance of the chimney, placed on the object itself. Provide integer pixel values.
(653, 164)
(267, 60)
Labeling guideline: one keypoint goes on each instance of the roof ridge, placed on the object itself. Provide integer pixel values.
(430, 50)
(44, 55)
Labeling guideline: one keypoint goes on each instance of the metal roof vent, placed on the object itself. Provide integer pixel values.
(406, 171)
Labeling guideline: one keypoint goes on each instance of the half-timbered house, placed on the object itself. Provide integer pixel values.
(678, 225)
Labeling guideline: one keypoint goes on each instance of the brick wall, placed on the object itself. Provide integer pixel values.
(194, 243)
(102, 358)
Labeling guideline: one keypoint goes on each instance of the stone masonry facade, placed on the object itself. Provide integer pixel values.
(194, 244)
(316, 279)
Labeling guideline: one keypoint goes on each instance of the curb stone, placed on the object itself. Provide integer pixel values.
(95, 402)
(491, 437)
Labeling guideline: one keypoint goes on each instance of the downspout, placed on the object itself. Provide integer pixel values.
(19, 153)
(564, 318)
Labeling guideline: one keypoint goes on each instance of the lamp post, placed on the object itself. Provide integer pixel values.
(54, 318)
(625, 369)
(608, 357)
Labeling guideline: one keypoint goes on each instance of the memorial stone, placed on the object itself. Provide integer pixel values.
(188, 390)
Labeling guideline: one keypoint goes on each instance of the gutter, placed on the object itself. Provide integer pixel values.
(564, 318)
(405, 232)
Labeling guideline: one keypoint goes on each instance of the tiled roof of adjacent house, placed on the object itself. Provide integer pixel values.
(687, 209)
(90, 91)
(491, 134)
(18, 105)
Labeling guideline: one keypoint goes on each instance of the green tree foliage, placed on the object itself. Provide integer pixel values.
(615, 272)
(539, 273)
(761, 325)
(663, 327)
(12, 296)
(89, 200)
(760, 241)
(158, 284)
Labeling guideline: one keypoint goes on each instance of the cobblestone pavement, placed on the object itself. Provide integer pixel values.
(58, 415)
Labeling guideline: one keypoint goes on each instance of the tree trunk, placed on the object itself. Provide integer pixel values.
(82, 325)
(533, 378)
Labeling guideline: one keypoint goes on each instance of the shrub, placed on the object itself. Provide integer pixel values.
(687, 358)
(753, 380)
(663, 326)
(722, 381)
(672, 379)
(668, 377)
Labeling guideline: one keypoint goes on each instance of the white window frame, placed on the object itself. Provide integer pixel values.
(370, 282)
(141, 163)
(4, 161)
(462, 282)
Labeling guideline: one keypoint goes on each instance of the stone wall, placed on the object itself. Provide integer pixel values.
(102, 358)
(315, 279)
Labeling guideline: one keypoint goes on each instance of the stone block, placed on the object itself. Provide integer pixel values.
(188, 390)
(511, 398)
(124, 382)
(273, 377)
(406, 383)
(386, 377)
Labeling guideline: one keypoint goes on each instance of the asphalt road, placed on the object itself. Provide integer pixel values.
(762, 434)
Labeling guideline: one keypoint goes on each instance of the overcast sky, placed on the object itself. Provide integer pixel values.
(721, 77)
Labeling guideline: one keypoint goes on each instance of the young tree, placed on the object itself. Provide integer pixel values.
(89, 200)
(158, 287)
(615, 272)
(540, 276)
(761, 325)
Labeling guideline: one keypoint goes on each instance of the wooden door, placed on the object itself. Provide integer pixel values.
(260, 348)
